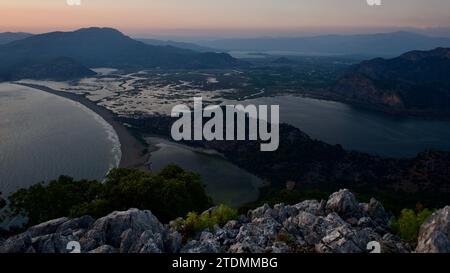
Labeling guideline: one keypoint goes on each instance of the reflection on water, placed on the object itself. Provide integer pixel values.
(225, 182)
(357, 129)
(43, 136)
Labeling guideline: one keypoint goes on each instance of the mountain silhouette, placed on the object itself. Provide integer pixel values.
(104, 47)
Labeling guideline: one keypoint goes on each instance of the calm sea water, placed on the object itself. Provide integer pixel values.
(361, 130)
(43, 136)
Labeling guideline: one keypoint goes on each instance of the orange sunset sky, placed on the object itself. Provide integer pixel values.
(215, 17)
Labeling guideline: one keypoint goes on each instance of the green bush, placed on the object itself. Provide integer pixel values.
(168, 194)
(407, 225)
(206, 221)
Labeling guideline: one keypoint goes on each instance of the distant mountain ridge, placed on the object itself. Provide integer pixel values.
(103, 47)
(8, 37)
(414, 81)
(183, 45)
(381, 44)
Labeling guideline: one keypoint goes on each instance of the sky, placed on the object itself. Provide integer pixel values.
(223, 18)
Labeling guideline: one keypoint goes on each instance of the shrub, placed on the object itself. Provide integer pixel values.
(407, 225)
(194, 222)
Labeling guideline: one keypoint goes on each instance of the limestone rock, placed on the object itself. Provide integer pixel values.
(434, 235)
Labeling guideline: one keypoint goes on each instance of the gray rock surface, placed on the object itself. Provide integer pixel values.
(434, 235)
(344, 203)
(337, 225)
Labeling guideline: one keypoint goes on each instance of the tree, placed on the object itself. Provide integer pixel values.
(40, 202)
(169, 194)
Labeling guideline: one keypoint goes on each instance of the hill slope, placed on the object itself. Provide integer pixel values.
(8, 37)
(59, 69)
(415, 81)
(183, 45)
(104, 47)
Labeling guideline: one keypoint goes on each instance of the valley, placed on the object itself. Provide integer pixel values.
(142, 101)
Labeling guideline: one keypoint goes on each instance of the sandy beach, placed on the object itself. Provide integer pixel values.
(133, 151)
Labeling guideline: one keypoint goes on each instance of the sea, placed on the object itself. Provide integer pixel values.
(43, 136)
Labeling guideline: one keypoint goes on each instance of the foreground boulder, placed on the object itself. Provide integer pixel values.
(135, 231)
(434, 235)
(337, 225)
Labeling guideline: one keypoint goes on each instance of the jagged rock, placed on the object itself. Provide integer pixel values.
(81, 223)
(434, 235)
(128, 238)
(231, 225)
(338, 225)
(282, 212)
(17, 244)
(173, 242)
(279, 247)
(148, 242)
(264, 211)
(344, 239)
(47, 227)
(377, 213)
(108, 230)
(244, 248)
(257, 235)
(206, 244)
(52, 243)
(344, 203)
(312, 206)
(105, 249)
(392, 244)
(366, 222)
(339, 240)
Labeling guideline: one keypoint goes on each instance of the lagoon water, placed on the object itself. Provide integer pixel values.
(332, 122)
(358, 129)
(225, 182)
(43, 136)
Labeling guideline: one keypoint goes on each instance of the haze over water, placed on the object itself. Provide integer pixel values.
(43, 136)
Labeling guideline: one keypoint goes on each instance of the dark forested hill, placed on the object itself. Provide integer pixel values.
(311, 164)
(104, 47)
(415, 81)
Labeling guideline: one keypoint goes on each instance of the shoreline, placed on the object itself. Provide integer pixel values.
(132, 149)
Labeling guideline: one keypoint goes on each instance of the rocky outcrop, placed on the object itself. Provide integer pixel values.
(338, 225)
(434, 235)
(133, 231)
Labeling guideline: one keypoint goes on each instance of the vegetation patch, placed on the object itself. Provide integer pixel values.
(171, 193)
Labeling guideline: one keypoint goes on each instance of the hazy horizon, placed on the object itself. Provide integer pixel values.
(220, 18)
